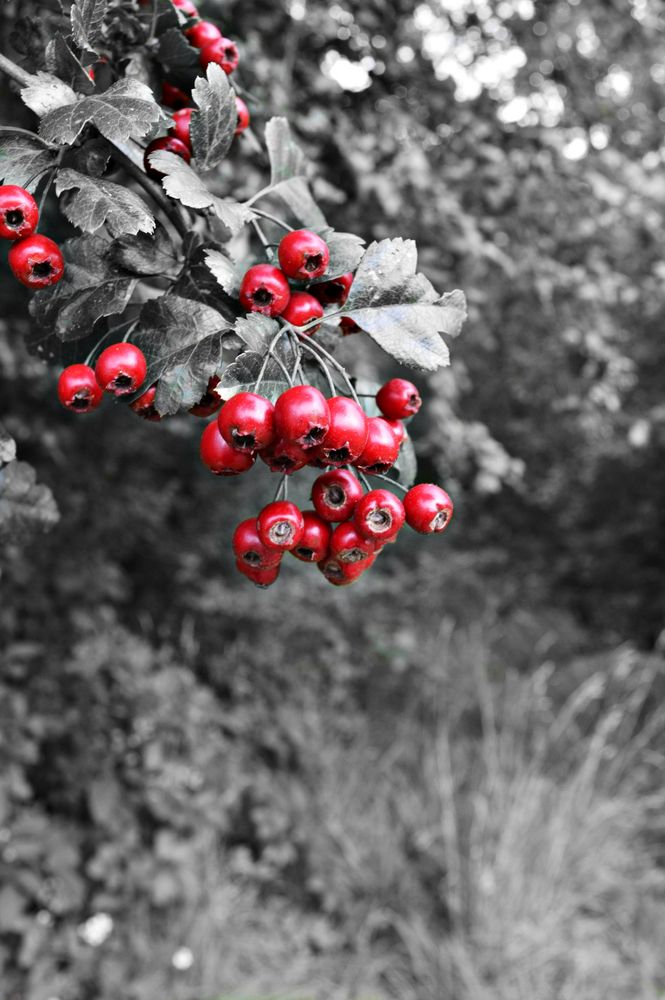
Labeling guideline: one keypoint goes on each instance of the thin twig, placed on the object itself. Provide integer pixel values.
(304, 343)
(387, 479)
(273, 218)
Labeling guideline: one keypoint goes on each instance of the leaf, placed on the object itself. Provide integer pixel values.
(22, 157)
(288, 169)
(228, 272)
(213, 126)
(126, 110)
(179, 59)
(346, 250)
(146, 255)
(24, 503)
(87, 17)
(183, 341)
(7, 447)
(256, 331)
(63, 63)
(399, 309)
(92, 157)
(100, 202)
(241, 376)
(47, 94)
(185, 185)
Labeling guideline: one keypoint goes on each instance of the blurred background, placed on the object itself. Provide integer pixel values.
(444, 783)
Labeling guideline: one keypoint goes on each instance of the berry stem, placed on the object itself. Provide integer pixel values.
(112, 329)
(273, 218)
(329, 358)
(387, 479)
(267, 245)
(269, 354)
(364, 480)
(322, 365)
(54, 170)
(282, 487)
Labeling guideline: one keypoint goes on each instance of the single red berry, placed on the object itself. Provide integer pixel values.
(334, 292)
(348, 326)
(262, 576)
(250, 550)
(187, 7)
(399, 430)
(335, 494)
(379, 515)
(181, 124)
(170, 145)
(398, 399)
(280, 525)
(342, 574)
(313, 546)
(19, 213)
(79, 390)
(203, 33)
(220, 457)
(145, 407)
(264, 289)
(428, 508)
(36, 261)
(284, 456)
(302, 416)
(347, 545)
(347, 434)
(121, 369)
(222, 51)
(247, 422)
(382, 447)
(301, 309)
(209, 403)
(243, 116)
(174, 97)
(303, 254)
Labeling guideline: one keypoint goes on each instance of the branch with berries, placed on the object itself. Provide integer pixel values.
(138, 104)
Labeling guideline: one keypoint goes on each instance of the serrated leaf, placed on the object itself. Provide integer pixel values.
(22, 157)
(100, 202)
(63, 63)
(228, 272)
(126, 110)
(399, 309)
(241, 376)
(25, 504)
(87, 17)
(213, 125)
(168, 16)
(185, 185)
(183, 343)
(146, 255)
(288, 170)
(256, 331)
(7, 447)
(47, 95)
(346, 250)
(179, 59)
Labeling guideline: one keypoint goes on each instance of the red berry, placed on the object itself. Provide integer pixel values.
(174, 97)
(347, 545)
(181, 123)
(302, 308)
(313, 546)
(348, 431)
(36, 261)
(262, 576)
(342, 574)
(121, 369)
(19, 213)
(223, 51)
(399, 430)
(335, 494)
(398, 399)
(187, 7)
(145, 407)
(209, 403)
(203, 33)
(264, 289)
(334, 292)
(78, 389)
(302, 416)
(247, 422)
(243, 116)
(348, 325)
(170, 145)
(428, 508)
(382, 447)
(250, 550)
(284, 456)
(379, 515)
(280, 525)
(220, 457)
(304, 255)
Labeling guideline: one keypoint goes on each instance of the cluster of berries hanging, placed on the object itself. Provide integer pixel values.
(34, 259)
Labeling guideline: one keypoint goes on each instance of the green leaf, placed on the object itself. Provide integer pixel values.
(87, 17)
(25, 504)
(185, 185)
(399, 308)
(100, 202)
(47, 94)
(127, 110)
(183, 343)
(213, 125)
(241, 376)
(288, 170)
(22, 157)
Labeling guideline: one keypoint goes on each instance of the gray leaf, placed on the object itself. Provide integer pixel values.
(25, 504)
(22, 157)
(179, 59)
(63, 63)
(346, 250)
(185, 185)
(47, 94)
(214, 124)
(287, 159)
(241, 376)
(126, 110)
(87, 17)
(7, 447)
(100, 202)
(256, 331)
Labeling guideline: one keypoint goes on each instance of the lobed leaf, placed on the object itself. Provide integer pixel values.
(63, 63)
(179, 59)
(87, 17)
(256, 331)
(146, 255)
(288, 171)
(100, 202)
(185, 185)
(241, 376)
(47, 94)
(346, 250)
(213, 125)
(127, 110)
(22, 157)
(24, 503)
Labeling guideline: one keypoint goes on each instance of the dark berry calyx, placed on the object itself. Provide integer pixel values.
(313, 262)
(14, 218)
(42, 269)
(244, 441)
(263, 297)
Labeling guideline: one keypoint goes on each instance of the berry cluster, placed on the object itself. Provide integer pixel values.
(120, 370)
(34, 259)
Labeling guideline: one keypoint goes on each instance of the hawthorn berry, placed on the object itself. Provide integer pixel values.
(182, 121)
(303, 307)
(145, 407)
(382, 448)
(284, 456)
(348, 325)
(334, 292)
(347, 434)
(315, 541)
(302, 416)
(210, 402)
(280, 525)
(36, 261)
(303, 255)
(347, 545)
(222, 51)
(78, 389)
(379, 515)
(247, 422)
(428, 508)
(203, 33)
(342, 574)
(264, 289)
(262, 576)
(121, 369)
(220, 457)
(398, 399)
(243, 116)
(399, 430)
(249, 549)
(174, 97)
(335, 494)
(19, 213)
(169, 144)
